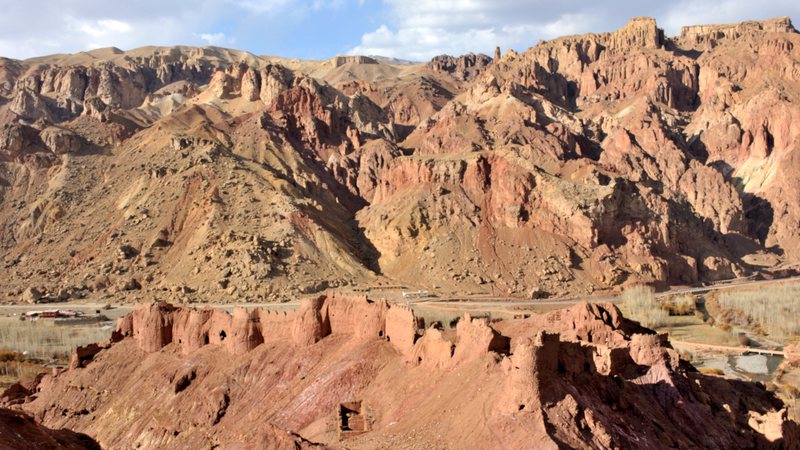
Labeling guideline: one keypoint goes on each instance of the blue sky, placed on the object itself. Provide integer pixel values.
(319, 29)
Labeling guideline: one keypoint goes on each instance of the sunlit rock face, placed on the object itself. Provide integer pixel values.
(584, 163)
(583, 377)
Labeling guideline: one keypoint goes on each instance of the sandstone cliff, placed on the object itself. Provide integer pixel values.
(582, 164)
(581, 377)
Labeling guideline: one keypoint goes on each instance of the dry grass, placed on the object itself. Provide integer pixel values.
(42, 339)
(17, 367)
(683, 305)
(641, 303)
(711, 371)
(772, 309)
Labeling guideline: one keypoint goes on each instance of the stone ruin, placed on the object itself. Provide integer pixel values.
(352, 420)
(580, 375)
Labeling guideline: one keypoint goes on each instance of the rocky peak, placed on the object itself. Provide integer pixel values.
(638, 33)
(56, 87)
(641, 32)
(339, 61)
(700, 34)
(464, 67)
(570, 137)
(596, 68)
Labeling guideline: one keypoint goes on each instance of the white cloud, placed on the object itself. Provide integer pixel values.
(214, 38)
(37, 27)
(104, 27)
(260, 6)
(425, 28)
(414, 29)
(418, 43)
(319, 5)
(724, 11)
(420, 29)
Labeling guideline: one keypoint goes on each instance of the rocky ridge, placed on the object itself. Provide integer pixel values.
(580, 377)
(584, 163)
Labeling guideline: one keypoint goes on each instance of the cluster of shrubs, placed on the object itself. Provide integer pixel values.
(642, 305)
(771, 310)
(16, 367)
(43, 339)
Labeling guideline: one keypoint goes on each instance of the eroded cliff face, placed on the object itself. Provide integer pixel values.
(581, 377)
(743, 126)
(584, 163)
(711, 35)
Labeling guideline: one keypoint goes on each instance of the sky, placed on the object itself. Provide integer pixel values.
(319, 29)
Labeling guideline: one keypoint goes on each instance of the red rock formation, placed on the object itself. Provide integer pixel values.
(476, 338)
(159, 325)
(586, 162)
(463, 68)
(433, 350)
(83, 355)
(190, 327)
(245, 331)
(309, 326)
(709, 35)
(150, 326)
(401, 328)
(583, 376)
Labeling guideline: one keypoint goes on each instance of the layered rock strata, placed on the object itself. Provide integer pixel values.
(579, 377)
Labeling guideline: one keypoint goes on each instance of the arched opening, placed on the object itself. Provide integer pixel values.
(222, 335)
